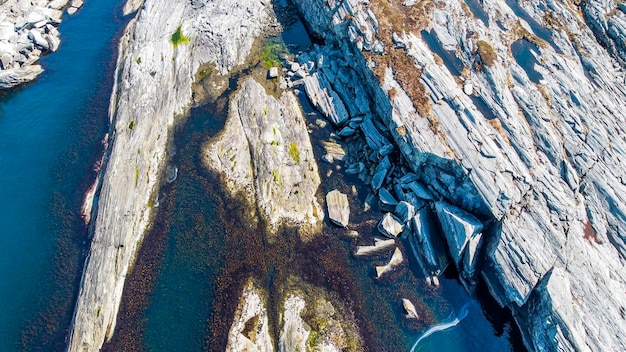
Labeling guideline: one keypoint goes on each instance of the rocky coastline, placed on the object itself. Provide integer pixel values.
(490, 135)
(28, 29)
(532, 152)
(161, 50)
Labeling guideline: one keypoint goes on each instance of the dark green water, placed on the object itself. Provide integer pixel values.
(50, 134)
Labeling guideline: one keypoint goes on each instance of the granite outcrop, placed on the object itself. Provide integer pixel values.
(265, 150)
(309, 319)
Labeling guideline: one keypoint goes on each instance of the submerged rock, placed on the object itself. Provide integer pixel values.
(396, 259)
(338, 208)
(409, 308)
(379, 246)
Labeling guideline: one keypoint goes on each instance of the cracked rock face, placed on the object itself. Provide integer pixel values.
(535, 146)
(265, 148)
(154, 78)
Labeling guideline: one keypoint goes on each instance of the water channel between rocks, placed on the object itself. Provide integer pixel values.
(191, 268)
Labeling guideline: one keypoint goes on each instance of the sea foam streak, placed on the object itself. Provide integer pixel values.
(444, 325)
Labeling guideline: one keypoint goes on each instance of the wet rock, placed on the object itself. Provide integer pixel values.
(390, 226)
(386, 200)
(471, 257)
(379, 246)
(404, 211)
(396, 259)
(427, 243)
(372, 135)
(338, 208)
(378, 179)
(409, 308)
(334, 151)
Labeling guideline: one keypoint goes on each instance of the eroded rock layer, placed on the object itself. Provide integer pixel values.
(514, 112)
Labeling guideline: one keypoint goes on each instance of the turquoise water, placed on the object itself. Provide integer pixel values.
(50, 135)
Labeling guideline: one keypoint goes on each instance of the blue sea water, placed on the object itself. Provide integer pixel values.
(50, 134)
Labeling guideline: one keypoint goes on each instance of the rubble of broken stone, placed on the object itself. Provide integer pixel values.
(533, 150)
(28, 29)
(368, 151)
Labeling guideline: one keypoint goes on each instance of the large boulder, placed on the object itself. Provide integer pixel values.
(338, 208)
(458, 227)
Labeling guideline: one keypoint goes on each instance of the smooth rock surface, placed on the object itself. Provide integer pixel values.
(269, 148)
(338, 208)
(250, 328)
(143, 109)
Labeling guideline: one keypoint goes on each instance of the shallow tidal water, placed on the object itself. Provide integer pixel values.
(193, 263)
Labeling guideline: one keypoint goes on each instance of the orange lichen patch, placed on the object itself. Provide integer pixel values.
(393, 17)
(392, 92)
(497, 125)
(487, 55)
(589, 233)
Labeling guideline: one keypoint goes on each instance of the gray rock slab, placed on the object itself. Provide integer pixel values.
(338, 208)
(321, 94)
(458, 227)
